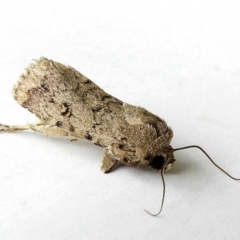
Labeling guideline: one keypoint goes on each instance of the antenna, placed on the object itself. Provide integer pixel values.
(165, 164)
(195, 146)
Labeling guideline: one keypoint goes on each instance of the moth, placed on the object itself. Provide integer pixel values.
(69, 104)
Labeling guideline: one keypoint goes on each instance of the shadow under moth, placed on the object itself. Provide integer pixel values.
(69, 104)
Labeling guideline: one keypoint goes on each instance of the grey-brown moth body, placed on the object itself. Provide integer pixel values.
(68, 103)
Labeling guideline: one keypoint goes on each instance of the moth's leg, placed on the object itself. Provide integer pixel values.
(108, 162)
(50, 130)
(38, 127)
(9, 128)
(125, 157)
(128, 157)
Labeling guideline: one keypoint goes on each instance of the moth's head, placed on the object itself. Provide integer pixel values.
(165, 160)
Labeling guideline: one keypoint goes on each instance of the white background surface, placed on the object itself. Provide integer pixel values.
(178, 59)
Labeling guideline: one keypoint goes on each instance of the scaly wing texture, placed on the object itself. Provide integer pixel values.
(60, 96)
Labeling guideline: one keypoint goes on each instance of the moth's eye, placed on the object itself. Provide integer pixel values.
(157, 162)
